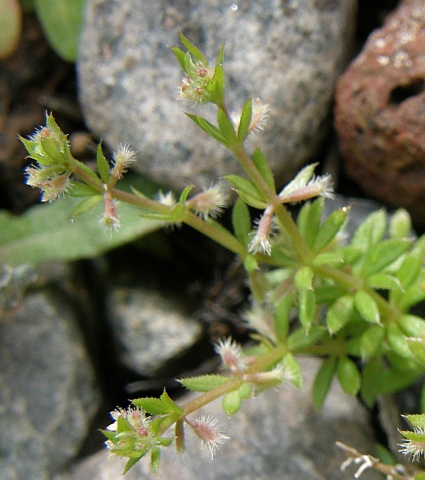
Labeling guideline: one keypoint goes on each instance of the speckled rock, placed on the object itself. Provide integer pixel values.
(150, 330)
(379, 114)
(287, 53)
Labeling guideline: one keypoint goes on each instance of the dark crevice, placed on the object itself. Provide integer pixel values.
(401, 93)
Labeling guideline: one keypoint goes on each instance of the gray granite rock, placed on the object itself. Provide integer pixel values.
(288, 53)
(149, 329)
(278, 435)
(48, 395)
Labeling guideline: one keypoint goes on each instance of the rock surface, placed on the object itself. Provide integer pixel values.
(277, 435)
(48, 395)
(379, 112)
(287, 53)
(149, 329)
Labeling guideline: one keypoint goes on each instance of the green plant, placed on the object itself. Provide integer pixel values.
(351, 301)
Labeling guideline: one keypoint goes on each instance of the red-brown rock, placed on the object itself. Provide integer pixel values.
(380, 112)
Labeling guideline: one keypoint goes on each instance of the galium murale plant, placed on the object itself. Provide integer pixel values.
(312, 294)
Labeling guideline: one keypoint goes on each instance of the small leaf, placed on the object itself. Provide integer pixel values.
(215, 88)
(300, 180)
(241, 221)
(329, 228)
(397, 341)
(208, 128)
(203, 383)
(82, 190)
(246, 188)
(154, 406)
(102, 164)
(294, 370)
(417, 420)
(367, 307)
(298, 339)
(245, 391)
(132, 461)
(417, 348)
(226, 128)
(412, 325)
(306, 308)
(339, 313)
(155, 458)
(231, 403)
(348, 376)
(181, 57)
(263, 166)
(192, 49)
(328, 258)
(371, 230)
(281, 317)
(304, 278)
(245, 121)
(400, 224)
(308, 220)
(170, 403)
(384, 281)
(383, 254)
(409, 269)
(371, 341)
(51, 149)
(323, 381)
(86, 205)
(184, 194)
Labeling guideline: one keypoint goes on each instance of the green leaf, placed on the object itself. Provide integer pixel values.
(304, 278)
(247, 190)
(308, 220)
(328, 258)
(367, 307)
(155, 458)
(154, 406)
(170, 403)
(241, 221)
(383, 254)
(417, 348)
(398, 342)
(412, 325)
(410, 268)
(181, 57)
(371, 341)
(208, 128)
(263, 167)
(192, 49)
(299, 339)
(226, 128)
(245, 121)
(348, 376)
(384, 281)
(82, 190)
(282, 317)
(400, 224)
(62, 21)
(329, 228)
(102, 164)
(371, 230)
(10, 27)
(45, 233)
(323, 381)
(85, 205)
(339, 313)
(306, 308)
(417, 420)
(231, 403)
(203, 383)
(300, 180)
(294, 369)
(51, 149)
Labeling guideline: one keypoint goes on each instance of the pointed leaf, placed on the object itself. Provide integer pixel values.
(299, 339)
(328, 258)
(371, 341)
(400, 224)
(246, 187)
(203, 383)
(192, 49)
(86, 205)
(417, 420)
(154, 406)
(306, 308)
(367, 307)
(300, 180)
(245, 121)
(384, 281)
(82, 190)
(170, 403)
(282, 317)
(309, 220)
(339, 313)
(398, 343)
(263, 166)
(304, 278)
(330, 228)
(348, 376)
(226, 127)
(371, 230)
(294, 370)
(412, 325)
(323, 381)
(102, 164)
(417, 347)
(181, 57)
(241, 221)
(383, 254)
(208, 128)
